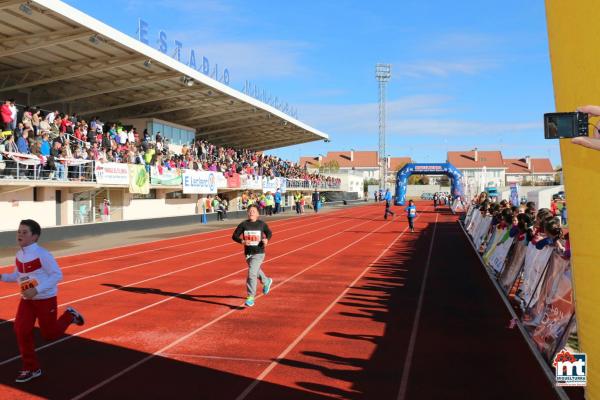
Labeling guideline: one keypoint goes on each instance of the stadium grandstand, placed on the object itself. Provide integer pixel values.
(81, 97)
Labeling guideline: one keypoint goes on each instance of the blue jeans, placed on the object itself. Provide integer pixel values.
(60, 172)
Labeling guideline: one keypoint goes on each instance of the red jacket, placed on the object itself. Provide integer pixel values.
(6, 113)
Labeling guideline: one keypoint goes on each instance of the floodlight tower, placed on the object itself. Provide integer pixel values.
(383, 73)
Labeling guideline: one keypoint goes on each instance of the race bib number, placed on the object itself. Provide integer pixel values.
(413, 212)
(27, 283)
(252, 238)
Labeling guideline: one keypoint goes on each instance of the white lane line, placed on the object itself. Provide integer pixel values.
(306, 331)
(65, 338)
(215, 357)
(185, 268)
(212, 322)
(284, 222)
(415, 327)
(152, 261)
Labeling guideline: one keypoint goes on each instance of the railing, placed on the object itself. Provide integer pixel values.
(19, 166)
(31, 167)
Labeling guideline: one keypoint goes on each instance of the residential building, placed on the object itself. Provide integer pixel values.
(364, 163)
(490, 168)
(534, 170)
(484, 168)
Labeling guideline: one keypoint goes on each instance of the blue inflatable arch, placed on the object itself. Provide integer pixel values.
(447, 169)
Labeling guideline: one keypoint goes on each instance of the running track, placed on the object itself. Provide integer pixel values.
(360, 308)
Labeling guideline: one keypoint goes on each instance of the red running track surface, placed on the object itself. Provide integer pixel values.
(360, 308)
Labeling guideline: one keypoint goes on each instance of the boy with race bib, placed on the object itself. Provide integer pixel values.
(254, 234)
(411, 214)
(38, 274)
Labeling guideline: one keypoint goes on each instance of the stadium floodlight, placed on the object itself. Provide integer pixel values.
(148, 63)
(383, 73)
(26, 9)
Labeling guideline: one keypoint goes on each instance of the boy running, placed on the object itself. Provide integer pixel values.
(388, 204)
(411, 213)
(38, 274)
(254, 234)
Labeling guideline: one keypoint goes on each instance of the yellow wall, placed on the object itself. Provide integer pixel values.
(574, 40)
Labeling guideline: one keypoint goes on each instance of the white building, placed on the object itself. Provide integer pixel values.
(534, 170)
(363, 163)
(480, 168)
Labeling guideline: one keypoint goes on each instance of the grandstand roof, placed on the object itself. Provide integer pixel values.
(56, 57)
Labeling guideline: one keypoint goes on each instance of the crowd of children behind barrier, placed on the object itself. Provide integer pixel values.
(528, 252)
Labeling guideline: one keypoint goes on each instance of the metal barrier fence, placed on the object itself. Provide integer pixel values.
(306, 184)
(62, 171)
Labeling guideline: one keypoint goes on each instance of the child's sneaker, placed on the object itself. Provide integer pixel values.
(77, 318)
(249, 301)
(25, 376)
(267, 286)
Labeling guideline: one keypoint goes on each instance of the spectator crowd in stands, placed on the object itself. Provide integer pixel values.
(64, 144)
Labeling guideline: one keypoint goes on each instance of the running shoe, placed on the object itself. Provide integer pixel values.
(267, 286)
(25, 376)
(249, 301)
(77, 318)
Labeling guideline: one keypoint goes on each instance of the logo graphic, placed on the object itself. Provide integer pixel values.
(571, 369)
(211, 182)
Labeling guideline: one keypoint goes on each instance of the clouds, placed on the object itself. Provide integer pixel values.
(420, 115)
(443, 69)
(254, 59)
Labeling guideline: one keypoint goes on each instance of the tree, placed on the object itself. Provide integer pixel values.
(424, 180)
(331, 167)
(370, 181)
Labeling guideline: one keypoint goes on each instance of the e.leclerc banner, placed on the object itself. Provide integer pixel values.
(201, 182)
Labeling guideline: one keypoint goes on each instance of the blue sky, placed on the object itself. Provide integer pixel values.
(464, 74)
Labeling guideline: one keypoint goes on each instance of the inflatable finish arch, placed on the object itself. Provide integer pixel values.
(427, 169)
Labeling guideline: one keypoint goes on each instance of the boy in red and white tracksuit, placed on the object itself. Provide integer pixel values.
(38, 274)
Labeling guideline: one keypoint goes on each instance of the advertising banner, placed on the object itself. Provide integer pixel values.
(556, 315)
(514, 194)
(234, 181)
(165, 176)
(272, 184)
(221, 180)
(498, 256)
(514, 262)
(201, 182)
(533, 268)
(112, 173)
(496, 236)
(251, 182)
(139, 181)
(482, 231)
(557, 266)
